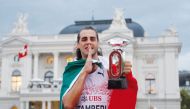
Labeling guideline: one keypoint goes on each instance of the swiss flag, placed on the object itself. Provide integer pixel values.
(24, 52)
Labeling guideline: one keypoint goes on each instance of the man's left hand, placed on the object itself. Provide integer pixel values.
(127, 67)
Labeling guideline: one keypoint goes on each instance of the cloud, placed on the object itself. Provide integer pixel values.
(50, 16)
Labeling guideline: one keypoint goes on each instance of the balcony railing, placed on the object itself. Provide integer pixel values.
(40, 85)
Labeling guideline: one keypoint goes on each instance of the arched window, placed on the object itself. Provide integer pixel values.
(50, 60)
(48, 76)
(69, 58)
(16, 80)
(14, 107)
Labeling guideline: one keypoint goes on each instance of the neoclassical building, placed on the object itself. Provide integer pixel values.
(34, 81)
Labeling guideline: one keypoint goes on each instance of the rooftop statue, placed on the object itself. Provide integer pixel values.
(118, 20)
(171, 31)
(21, 26)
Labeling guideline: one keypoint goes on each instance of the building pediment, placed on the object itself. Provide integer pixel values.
(14, 41)
(117, 37)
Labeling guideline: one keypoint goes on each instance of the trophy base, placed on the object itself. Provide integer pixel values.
(117, 83)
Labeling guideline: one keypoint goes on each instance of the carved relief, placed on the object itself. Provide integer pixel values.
(149, 59)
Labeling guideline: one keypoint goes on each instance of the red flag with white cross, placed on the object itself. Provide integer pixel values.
(23, 52)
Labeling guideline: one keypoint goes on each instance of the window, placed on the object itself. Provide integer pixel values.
(48, 76)
(14, 107)
(50, 60)
(150, 83)
(16, 80)
(69, 58)
(16, 59)
(187, 83)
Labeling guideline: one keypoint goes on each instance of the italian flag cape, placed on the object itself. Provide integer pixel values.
(120, 99)
(70, 75)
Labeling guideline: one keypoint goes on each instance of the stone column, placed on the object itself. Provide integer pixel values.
(55, 67)
(27, 71)
(27, 104)
(49, 105)
(43, 104)
(36, 61)
(22, 105)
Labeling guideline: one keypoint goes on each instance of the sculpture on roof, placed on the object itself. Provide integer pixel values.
(118, 20)
(171, 31)
(21, 26)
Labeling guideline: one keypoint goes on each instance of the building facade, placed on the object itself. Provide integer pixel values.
(34, 80)
(184, 80)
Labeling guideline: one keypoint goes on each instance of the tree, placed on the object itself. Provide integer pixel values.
(185, 102)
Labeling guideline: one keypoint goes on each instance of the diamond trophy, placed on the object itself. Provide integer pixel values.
(116, 64)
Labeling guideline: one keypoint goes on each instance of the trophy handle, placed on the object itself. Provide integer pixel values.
(118, 67)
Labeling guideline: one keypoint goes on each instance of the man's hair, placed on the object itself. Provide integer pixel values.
(78, 52)
(87, 28)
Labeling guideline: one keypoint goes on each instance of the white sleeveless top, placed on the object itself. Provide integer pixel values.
(95, 94)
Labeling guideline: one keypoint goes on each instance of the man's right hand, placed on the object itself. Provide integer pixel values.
(71, 99)
(88, 65)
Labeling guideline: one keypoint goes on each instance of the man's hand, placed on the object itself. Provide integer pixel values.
(127, 67)
(88, 65)
(72, 97)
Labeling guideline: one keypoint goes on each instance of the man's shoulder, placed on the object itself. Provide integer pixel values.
(104, 61)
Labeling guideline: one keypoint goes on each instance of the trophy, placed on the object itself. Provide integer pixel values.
(116, 64)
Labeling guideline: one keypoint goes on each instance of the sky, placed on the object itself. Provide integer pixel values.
(49, 17)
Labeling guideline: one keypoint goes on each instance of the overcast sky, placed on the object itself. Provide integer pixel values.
(47, 17)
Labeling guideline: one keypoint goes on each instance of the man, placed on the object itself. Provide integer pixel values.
(85, 81)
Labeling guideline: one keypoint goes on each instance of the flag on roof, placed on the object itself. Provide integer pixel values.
(23, 52)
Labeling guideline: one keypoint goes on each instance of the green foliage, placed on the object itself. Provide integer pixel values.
(185, 99)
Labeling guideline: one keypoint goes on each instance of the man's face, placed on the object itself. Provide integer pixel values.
(88, 39)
